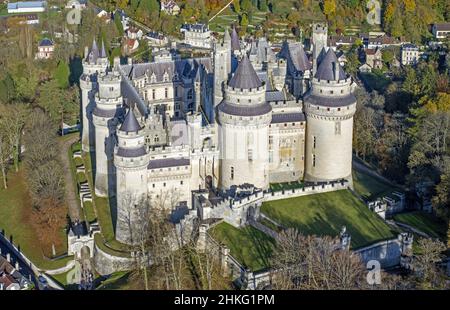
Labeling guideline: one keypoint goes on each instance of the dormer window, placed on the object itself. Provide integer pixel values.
(153, 78)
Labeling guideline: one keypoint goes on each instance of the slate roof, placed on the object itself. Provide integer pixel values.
(235, 44)
(107, 113)
(245, 76)
(297, 60)
(442, 26)
(46, 42)
(183, 68)
(168, 162)
(131, 152)
(326, 71)
(244, 110)
(275, 96)
(130, 124)
(330, 101)
(288, 118)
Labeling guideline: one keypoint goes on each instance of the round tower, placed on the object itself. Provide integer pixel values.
(94, 63)
(329, 106)
(108, 108)
(131, 162)
(244, 117)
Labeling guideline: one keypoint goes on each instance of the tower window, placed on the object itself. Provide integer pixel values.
(154, 94)
(250, 155)
(232, 173)
(314, 143)
(314, 160)
(166, 92)
(337, 128)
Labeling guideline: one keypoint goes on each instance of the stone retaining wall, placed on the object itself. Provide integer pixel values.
(106, 264)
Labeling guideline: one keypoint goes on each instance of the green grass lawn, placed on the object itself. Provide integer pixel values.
(117, 281)
(325, 214)
(248, 245)
(15, 206)
(370, 188)
(424, 222)
(89, 212)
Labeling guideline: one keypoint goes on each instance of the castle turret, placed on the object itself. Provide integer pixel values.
(107, 111)
(94, 63)
(319, 44)
(131, 162)
(222, 66)
(329, 106)
(244, 117)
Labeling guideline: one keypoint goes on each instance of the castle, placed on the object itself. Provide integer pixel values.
(245, 116)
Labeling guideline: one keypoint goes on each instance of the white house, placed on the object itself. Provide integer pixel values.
(45, 49)
(27, 7)
(410, 54)
(76, 4)
(197, 35)
(170, 7)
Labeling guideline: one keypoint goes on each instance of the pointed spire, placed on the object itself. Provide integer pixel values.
(94, 52)
(245, 76)
(235, 44)
(103, 52)
(330, 68)
(226, 37)
(130, 124)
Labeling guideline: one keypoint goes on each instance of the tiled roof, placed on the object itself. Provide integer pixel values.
(235, 44)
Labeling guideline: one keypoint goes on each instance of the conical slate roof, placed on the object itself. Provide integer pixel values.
(245, 76)
(326, 69)
(94, 52)
(130, 124)
(235, 44)
(103, 52)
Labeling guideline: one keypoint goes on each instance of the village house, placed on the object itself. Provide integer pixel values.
(410, 54)
(27, 7)
(170, 7)
(374, 58)
(46, 48)
(76, 4)
(441, 30)
(197, 35)
(156, 38)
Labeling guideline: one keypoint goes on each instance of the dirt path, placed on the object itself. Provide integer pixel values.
(70, 196)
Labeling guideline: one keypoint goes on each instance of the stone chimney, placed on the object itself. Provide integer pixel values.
(336, 71)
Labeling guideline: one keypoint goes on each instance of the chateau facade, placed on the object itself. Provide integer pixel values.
(244, 116)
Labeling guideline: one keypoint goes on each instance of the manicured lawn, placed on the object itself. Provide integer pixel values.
(248, 245)
(104, 216)
(325, 214)
(89, 212)
(15, 207)
(369, 187)
(424, 222)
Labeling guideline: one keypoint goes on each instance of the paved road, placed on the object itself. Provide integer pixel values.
(70, 195)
